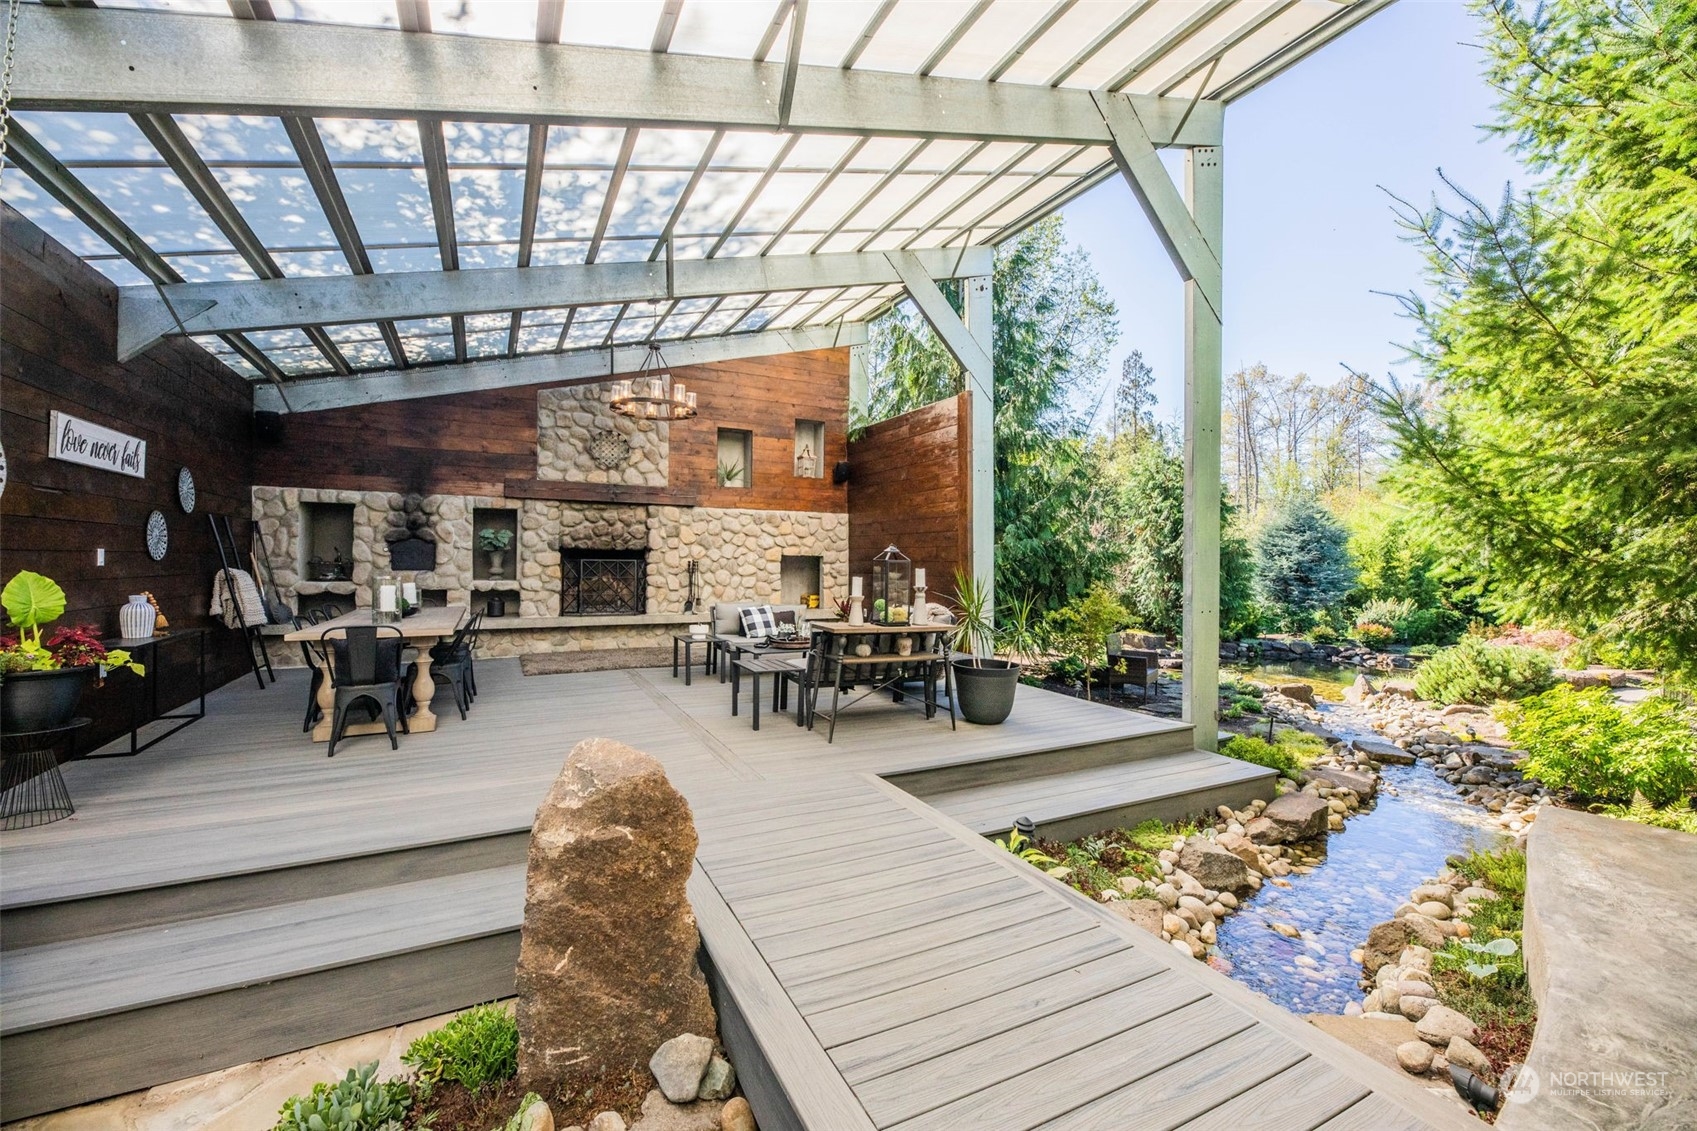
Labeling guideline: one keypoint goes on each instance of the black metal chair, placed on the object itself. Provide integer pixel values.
(451, 663)
(314, 657)
(369, 671)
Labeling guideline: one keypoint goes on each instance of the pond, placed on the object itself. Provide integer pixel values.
(1327, 681)
(1368, 869)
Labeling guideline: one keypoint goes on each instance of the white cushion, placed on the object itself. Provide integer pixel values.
(759, 620)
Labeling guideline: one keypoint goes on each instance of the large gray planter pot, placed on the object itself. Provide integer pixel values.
(985, 689)
(32, 701)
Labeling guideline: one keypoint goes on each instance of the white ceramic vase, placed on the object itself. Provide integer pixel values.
(137, 618)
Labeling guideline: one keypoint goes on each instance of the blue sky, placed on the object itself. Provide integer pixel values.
(1309, 233)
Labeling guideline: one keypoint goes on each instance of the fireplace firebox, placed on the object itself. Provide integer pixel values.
(603, 582)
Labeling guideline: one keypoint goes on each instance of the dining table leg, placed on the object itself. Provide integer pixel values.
(423, 691)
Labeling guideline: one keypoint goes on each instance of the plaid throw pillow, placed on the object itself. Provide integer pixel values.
(759, 620)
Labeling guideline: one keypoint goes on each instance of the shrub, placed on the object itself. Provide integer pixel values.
(1384, 610)
(1288, 753)
(1374, 635)
(357, 1102)
(1424, 651)
(1323, 634)
(1680, 818)
(1503, 871)
(480, 1046)
(1476, 672)
(1301, 564)
(1428, 626)
(1580, 740)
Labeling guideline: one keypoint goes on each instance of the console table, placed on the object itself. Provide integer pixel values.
(146, 652)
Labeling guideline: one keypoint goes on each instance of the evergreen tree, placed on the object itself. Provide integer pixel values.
(1301, 563)
(1560, 338)
(1134, 399)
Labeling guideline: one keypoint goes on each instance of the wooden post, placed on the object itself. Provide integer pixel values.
(1202, 376)
(980, 314)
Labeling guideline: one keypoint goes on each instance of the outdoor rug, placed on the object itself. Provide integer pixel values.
(595, 660)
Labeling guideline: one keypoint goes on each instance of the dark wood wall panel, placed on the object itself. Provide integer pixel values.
(58, 325)
(910, 487)
(472, 443)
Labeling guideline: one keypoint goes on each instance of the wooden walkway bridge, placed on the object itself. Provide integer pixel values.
(878, 964)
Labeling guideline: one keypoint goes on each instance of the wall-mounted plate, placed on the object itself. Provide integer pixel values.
(158, 537)
(185, 490)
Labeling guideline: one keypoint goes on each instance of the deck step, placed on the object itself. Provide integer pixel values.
(924, 779)
(315, 970)
(1077, 802)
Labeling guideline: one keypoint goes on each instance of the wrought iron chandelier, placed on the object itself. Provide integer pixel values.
(652, 394)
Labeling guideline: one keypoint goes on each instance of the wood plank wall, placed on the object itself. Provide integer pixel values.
(58, 325)
(909, 487)
(472, 443)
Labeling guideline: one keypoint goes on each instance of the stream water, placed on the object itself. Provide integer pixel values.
(1368, 869)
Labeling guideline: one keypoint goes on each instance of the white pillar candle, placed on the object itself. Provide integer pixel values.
(855, 586)
(409, 592)
(919, 578)
(386, 599)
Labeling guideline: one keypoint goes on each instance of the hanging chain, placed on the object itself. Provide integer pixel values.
(6, 83)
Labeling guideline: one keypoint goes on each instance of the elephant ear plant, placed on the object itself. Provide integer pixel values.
(32, 602)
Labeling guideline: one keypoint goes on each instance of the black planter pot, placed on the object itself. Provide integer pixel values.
(985, 689)
(41, 700)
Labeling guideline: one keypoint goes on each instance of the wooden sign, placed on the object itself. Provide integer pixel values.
(78, 441)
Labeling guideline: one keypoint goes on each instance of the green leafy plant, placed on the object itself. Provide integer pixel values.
(491, 539)
(1428, 627)
(357, 1102)
(730, 474)
(1384, 610)
(1323, 634)
(1021, 846)
(33, 601)
(1501, 947)
(1289, 752)
(1023, 633)
(479, 1047)
(1503, 871)
(975, 620)
(1477, 672)
(1424, 651)
(1680, 818)
(1580, 740)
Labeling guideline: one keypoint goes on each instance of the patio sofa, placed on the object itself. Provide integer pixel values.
(726, 616)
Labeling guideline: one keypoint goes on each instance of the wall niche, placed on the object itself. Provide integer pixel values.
(327, 538)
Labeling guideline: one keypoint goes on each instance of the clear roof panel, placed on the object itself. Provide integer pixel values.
(762, 192)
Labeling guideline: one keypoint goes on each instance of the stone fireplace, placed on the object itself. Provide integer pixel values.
(600, 582)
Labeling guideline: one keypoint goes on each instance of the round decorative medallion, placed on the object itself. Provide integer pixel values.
(158, 538)
(2, 469)
(185, 490)
(609, 449)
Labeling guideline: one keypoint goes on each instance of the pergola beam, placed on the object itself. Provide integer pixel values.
(582, 366)
(144, 317)
(108, 59)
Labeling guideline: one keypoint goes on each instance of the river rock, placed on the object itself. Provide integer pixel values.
(607, 1121)
(1442, 1023)
(1414, 1007)
(538, 1116)
(737, 1116)
(1300, 692)
(1385, 942)
(679, 1064)
(1295, 816)
(1173, 924)
(1461, 1051)
(1145, 913)
(719, 1080)
(661, 1114)
(1427, 893)
(607, 952)
(1214, 867)
(1167, 894)
(1414, 1056)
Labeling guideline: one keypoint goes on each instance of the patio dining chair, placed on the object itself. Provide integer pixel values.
(451, 663)
(367, 669)
(313, 654)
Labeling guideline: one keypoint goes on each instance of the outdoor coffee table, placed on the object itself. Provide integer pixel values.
(690, 640)
(782, 669)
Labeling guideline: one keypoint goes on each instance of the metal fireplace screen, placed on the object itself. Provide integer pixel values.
(603, 582)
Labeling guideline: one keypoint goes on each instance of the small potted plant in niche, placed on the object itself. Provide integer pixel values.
(494, 543)
(41, 681)
(984, 684)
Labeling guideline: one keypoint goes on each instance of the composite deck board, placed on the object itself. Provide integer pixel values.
(1304, 1095)
(894, 969)
(859, 1004)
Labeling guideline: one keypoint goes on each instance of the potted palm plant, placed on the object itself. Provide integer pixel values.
(494, 542)
(41, 681)
(984, 684)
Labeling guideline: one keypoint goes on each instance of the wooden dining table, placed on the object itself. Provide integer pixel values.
(423, 629)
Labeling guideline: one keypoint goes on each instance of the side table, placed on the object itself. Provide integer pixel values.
(689, 640)
(149, 646)
(34, 789)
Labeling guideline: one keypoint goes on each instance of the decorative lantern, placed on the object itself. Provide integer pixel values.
(806, 467)
(385, 599)
(892, 587)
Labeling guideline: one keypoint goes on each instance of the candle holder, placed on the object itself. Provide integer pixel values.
(385, 600)
(856, 614)
(918, 614)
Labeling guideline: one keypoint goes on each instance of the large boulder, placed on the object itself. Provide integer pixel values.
(1300, 692)
(1216, 868)
(1295, 816)
(607, 970)
(1386, 941)
(1359, 690)
(1362, 785)
(1145, 913)
(1383, 751)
